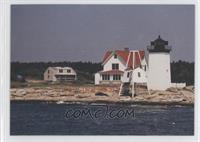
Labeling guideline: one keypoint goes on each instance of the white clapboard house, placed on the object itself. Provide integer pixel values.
(122, 66)
(60, 74)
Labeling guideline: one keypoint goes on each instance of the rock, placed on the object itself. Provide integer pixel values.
(152, 92)
(82, 95)
(60, 102)
(184, 100)
(30, 90)
(125, 98)
(105, 93)
(101, 94)
(20, 92)
(189, 88)
(172, 89)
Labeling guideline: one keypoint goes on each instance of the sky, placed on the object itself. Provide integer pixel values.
(85, 32)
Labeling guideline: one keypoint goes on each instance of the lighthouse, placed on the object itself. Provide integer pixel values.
(159, 73)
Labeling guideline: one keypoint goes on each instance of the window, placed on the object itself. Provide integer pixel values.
(139, 74)
(145, 67)
(115, 66)
(60, 70)
(115, 56)
(68, 71)
(105, 77)
(48, 76)
(48, 71)
(128, 74)
(116, 77)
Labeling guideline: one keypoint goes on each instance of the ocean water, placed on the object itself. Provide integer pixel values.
(42, 118)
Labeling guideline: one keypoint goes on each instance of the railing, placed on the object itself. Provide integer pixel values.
(120, 89)
(130, 76)
(166, 48)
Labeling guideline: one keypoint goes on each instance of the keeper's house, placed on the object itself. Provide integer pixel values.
(118, 67)
(60, 74)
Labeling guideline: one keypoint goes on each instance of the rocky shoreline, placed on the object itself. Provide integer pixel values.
(88, 94)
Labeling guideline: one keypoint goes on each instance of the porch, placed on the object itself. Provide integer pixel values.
(111, 77)
(65, 77)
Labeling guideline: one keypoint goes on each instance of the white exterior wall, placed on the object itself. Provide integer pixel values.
(50, 74)
(178, 85)
(159, 73)
(54, 78)
(136, 78)
(143, 62)
(55, 70)
(108, 65)
(124, 77)
(142, 79)
(97, 78)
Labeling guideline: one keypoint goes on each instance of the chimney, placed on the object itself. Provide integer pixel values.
(126, 49)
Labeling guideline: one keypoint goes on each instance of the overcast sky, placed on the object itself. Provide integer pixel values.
(86, 32)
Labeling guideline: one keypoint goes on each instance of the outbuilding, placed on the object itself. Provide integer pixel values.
(60, 74)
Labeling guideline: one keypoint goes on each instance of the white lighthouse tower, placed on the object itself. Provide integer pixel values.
(159, 74)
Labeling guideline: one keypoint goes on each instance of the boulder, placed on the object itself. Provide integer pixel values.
(172, 89)
(189, 88)
(20, 92)
(101, 94)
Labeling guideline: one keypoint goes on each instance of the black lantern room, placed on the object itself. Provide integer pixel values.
(159, 45)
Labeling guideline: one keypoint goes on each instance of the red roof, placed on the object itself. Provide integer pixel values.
(137, 60)
(124, 54)
(108, 53)
(111, 72)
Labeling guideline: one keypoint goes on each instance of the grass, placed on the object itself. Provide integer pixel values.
(17, 84)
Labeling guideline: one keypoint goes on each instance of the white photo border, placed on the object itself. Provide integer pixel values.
(5, 19)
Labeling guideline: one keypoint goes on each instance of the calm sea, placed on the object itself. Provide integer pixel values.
(42, 118)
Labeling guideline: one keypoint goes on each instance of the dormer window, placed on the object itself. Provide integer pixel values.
(115, 66)
(68, 71)
(115, 56)
(60, 70)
